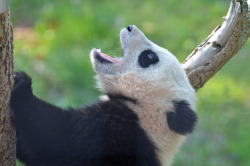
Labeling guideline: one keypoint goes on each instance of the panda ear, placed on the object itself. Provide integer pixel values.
(183, 119)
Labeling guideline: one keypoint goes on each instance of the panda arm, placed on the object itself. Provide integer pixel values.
(43, 130)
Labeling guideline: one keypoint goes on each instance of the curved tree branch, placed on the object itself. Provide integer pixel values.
(220, 46)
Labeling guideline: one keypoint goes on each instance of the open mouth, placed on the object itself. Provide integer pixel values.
(103, 58)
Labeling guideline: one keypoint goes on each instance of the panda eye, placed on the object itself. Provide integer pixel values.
(147, 58)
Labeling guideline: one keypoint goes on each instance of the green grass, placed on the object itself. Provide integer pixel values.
(56, 54)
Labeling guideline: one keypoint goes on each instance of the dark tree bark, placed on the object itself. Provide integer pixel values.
(7, 131)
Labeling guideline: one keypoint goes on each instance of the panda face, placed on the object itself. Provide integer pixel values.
(144, 70)
(138, 52)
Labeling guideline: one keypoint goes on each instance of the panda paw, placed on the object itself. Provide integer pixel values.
(21, 95)
(22, 85)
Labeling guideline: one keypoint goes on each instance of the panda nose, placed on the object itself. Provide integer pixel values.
(129, 28)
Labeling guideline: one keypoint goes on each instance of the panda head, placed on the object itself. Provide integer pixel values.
(146, 72)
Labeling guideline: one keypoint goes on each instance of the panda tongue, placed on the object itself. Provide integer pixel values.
(108, 57)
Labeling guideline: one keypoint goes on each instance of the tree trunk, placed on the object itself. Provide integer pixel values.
(7, 131)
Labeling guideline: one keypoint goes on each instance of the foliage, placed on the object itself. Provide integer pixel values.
(55, 52)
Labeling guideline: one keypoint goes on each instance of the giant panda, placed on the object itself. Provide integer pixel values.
(147, 111)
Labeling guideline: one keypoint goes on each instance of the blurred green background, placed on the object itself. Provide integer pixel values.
(53, 39)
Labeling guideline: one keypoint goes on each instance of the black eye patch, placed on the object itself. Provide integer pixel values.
(147, 58)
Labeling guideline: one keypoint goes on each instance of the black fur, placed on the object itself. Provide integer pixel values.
(121, 98)
(102, 134)
(183, 119)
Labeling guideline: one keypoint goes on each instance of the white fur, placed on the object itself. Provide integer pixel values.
(154, 88)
